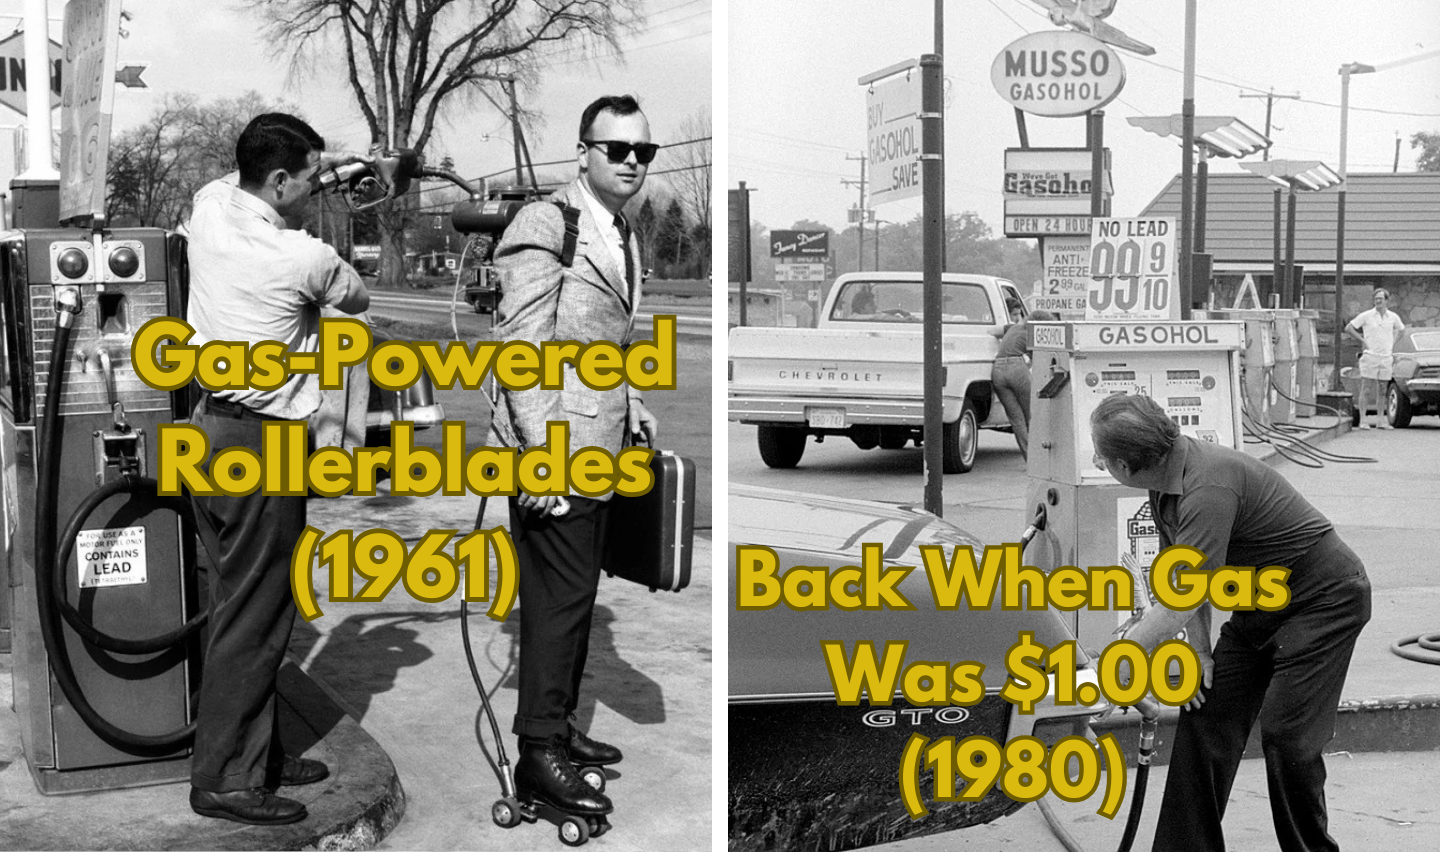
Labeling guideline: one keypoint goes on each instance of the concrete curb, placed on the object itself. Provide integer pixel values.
(1399, 723)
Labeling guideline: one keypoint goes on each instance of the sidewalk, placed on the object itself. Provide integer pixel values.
(395, 673)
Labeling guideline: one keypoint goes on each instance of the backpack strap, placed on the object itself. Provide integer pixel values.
(571, 216)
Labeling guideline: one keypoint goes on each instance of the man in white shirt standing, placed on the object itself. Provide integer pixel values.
(1376, 330)
(254, 278)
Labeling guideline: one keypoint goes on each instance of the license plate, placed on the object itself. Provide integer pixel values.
(825, 418)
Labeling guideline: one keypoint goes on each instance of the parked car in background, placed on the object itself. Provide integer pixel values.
(808, 773)
(1414, 388)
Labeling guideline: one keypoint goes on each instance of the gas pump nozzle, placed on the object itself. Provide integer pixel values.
(366, 185)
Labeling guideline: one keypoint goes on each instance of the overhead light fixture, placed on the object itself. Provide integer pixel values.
(1221, 135)
(1308, 175)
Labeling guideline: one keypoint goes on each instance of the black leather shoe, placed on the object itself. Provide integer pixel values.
(544, 773)
(587, 752)
(296, 771)
(253, 807)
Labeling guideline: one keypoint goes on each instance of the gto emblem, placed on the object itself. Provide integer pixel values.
(915, 715)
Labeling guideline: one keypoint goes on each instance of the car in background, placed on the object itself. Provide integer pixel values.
(807, 773)
(1414, 387)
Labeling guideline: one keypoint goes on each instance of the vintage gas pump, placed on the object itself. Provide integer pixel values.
(1190, 367)
(1287, 357)
(101, 570)
(1308, 356)
(1257, 361)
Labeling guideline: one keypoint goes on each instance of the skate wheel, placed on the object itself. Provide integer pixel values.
(594, 776)
(574, 831)
(506, 813)
(599, 825)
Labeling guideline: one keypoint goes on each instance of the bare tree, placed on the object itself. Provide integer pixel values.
(686, 167)
(156, 168)
(408, 61)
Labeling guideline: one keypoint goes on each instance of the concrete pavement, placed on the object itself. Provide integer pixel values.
(382, 693)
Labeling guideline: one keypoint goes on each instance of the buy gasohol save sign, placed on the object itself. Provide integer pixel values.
(892, 131)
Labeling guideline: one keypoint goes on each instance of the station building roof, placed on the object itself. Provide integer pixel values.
(1392, 223)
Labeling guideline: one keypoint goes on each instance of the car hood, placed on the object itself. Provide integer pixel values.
(776, 652)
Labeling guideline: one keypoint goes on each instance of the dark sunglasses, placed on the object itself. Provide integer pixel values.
(617, 152)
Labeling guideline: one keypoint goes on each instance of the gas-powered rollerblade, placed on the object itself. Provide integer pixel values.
(546, 785)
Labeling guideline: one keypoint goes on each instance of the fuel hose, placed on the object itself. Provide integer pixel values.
(1149, 722)
(48, 572)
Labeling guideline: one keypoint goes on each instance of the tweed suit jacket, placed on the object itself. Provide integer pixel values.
(541, 300)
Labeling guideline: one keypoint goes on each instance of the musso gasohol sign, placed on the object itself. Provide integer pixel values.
(1058, 73)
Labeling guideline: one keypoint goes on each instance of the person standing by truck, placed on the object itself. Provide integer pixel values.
(1010, 376)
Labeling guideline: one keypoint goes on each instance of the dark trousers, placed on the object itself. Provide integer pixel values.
(250, 540)
(560, 560)
(1287, 669)
(1011, 379)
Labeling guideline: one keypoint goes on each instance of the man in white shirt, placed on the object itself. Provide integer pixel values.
(252, 278)
(1376, 330)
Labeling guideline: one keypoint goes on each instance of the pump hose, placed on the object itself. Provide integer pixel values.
(1149, 723)
(507, 782)
(128, 484)
(1427, 648)
(45, 522)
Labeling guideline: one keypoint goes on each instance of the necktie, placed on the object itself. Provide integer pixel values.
(624, 230)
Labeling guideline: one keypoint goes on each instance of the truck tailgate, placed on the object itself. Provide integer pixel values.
(829, 362)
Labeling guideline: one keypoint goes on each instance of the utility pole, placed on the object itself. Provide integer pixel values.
(1270, 96)
(859, 246)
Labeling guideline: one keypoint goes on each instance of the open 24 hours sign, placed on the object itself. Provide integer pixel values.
(1132, 270)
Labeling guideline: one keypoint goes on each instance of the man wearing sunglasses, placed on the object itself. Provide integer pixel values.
(561, 543)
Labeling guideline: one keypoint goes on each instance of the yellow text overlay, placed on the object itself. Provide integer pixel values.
(1024, 768)
(164, 359)
(427, 572)
(284, 465)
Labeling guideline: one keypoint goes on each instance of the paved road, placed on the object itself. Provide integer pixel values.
(692, 316)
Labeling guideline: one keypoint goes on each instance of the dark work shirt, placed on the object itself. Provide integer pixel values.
(1238, 511)
(1015, 342)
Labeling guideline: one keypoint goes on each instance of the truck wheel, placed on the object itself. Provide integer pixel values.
(961, 441)
(781, 446)
(1397, 407)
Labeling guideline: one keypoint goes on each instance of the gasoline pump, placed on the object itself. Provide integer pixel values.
(102, 571)
(1082, 516)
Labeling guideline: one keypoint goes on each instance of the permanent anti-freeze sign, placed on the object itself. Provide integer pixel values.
(892, 133)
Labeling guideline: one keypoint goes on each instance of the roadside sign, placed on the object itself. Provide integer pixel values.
(1066, 282)
(1057, 73)
(12, 72)
(798, 272)
(892, 137)
(1047, 226)
(800, 244)
(87, 102)
(1132, 270)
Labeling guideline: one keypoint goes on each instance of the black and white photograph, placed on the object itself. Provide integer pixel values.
(356, 425)
(1083, 380)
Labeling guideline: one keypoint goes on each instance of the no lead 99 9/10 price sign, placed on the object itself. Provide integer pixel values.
(1132, 270)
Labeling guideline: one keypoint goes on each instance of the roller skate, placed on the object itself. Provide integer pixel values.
(590, 757)
(547, 786)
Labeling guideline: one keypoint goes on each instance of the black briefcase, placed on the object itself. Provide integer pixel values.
(652, 537)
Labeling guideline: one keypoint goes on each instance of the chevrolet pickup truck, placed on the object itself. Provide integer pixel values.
(859, 373)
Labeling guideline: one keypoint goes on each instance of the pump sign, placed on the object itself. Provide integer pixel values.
(111, 557)
(892, 135)
(1057, 73)
(1132, 270)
